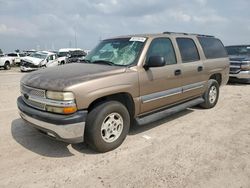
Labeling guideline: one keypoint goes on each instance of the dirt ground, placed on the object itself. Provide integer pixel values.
(194, 148)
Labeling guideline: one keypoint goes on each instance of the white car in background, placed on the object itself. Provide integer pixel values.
(10, 59)
(64, 53)
(38, 60)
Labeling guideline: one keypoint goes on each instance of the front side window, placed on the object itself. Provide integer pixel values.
(188, 50)
(162, 47)
(120, 52)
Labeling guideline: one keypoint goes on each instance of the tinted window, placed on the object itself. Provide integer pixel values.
(162, 47)
(212, 47)
(188, 50)
(12, 55)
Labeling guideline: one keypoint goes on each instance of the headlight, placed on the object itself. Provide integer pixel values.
(62, 96)
(245, 65)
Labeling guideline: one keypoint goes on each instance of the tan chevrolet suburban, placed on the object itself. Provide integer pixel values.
(137, 77)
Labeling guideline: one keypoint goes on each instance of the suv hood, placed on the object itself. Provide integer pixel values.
(33, 60)
(60, 77)
(239, 58)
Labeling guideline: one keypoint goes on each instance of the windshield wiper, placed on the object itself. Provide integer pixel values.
(103, 62)
(85, 61)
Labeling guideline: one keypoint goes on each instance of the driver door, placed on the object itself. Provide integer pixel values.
(160, 86)
(51, 61)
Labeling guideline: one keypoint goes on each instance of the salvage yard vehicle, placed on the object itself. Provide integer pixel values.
(239, 63)
(136, 77)
(10, 59)
(76, 56)
(65, 53)
(39, 60)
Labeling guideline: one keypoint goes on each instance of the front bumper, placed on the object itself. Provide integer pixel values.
(241, 75)
(67, 128)
(24, 69)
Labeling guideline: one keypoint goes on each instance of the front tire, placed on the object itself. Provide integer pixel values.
(211, 95)
(107, 126)
(7, 65)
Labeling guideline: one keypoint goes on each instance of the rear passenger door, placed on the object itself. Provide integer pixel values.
(192, 68)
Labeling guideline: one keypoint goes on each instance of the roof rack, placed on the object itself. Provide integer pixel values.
(199, 35)
(168, 32)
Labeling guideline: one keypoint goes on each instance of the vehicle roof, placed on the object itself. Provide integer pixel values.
(152, 35)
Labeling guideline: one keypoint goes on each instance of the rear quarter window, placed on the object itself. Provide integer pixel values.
(212, 47)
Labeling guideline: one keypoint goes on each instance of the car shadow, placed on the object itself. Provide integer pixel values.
(31, 139)
(234, 83)
(136, 129)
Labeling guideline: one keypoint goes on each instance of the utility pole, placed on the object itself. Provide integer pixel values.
(75, 39)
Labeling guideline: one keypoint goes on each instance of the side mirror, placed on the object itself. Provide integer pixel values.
(155, 61)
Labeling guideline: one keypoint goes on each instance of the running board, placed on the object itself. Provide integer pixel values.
(167, 112)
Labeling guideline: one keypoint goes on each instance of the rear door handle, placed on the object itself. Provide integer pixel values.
(177, 72)
(200, 68)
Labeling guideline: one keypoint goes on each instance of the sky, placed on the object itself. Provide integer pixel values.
(55, 24)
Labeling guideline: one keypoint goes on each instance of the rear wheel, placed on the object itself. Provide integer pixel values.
(107, 126)
(211, 95)
(7, 65)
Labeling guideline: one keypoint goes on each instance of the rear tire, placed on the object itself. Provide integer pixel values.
(107, 126)
(7, 65)
(211, 95)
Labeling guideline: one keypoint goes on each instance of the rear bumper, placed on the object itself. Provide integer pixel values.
(241, 75)
(67, 128)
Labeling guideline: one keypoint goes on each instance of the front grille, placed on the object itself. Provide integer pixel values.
(34, 104)
(234, 70)
(235, 67)
(34, 92)
(28, 64)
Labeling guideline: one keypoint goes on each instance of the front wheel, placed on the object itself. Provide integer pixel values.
(7, 66)
(107, 126)
(211, 95)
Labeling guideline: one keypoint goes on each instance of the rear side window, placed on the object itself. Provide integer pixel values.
(212, 47)
(188, 50)
(162, 47)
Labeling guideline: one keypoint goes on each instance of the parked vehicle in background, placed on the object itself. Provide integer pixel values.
(29, 52)
(64, 53)
(39, 60)
(239, 62)
(76, 56)
(16, 57)
(11, 59)
(5, 62)
(135, 77)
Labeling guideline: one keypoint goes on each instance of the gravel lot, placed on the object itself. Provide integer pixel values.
(194, 148)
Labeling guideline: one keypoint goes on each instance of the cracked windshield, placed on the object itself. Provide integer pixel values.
(121, 52)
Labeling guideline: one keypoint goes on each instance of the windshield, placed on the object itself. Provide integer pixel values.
(121, 52)
(238, 50)
(39, 55)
